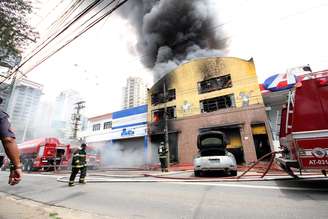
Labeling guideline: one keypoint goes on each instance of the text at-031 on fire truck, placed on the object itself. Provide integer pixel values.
(304, 127)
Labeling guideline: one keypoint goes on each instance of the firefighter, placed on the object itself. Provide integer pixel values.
(79, 163)
(162, 153)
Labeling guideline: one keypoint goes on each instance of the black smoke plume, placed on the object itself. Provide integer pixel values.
(173, 31)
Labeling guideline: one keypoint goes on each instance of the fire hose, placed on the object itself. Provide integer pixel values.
(272, 154)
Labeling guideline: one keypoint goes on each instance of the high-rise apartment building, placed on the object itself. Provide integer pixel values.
(4, 94)
(23, 106)
(64, 109)
(134, 93)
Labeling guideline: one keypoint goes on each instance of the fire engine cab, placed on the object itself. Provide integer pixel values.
(304, 127)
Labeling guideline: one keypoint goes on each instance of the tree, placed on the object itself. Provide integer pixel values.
(15, 32)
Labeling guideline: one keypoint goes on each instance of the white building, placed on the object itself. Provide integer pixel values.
(134, 93)
(23, 106)
(122, 138)
(98, 130)
(64, 108)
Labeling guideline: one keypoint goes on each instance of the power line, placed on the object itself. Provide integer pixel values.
(75, 19)
(54, 27)
(214, 27)
(77, 36)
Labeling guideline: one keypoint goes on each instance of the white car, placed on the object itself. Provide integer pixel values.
(212, 155)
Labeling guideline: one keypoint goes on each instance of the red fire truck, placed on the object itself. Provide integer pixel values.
(93, 156)
(44, 153)
(304, 127)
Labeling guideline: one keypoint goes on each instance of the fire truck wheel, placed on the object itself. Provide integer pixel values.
(24, 166)
(29, 166)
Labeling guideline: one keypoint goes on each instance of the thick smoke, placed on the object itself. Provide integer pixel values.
(115, 155)
(173, 31)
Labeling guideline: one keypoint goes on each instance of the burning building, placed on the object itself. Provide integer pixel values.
(201, 91)
(218, 93)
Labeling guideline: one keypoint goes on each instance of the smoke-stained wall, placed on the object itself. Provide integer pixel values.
(171, 32)
(185, 80)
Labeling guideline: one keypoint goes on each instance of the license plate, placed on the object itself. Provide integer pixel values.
(215, 160)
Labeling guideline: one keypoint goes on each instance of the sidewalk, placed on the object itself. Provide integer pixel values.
(12, 207)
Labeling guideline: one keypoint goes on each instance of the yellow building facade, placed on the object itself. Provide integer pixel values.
(208, 91)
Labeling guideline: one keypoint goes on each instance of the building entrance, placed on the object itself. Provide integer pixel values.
(173, 144)
(234, 140)
(261, 140)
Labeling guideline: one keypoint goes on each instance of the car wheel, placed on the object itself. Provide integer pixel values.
(233, 172)
(197, 173)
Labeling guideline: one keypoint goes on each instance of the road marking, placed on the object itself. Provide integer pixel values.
(251, 186)
(40, 175)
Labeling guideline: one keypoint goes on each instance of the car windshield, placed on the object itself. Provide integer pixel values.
(211, 141)
(91, 152)
(205, 153)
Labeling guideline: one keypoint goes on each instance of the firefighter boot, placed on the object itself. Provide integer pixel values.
(70, 184)
(82, 181)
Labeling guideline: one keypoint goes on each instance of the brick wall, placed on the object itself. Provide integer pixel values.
(188, 128)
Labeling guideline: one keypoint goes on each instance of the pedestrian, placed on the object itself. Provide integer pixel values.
(8, 140)
(79, 164)
(162, 153)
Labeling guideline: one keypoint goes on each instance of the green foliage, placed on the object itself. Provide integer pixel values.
(15, 32)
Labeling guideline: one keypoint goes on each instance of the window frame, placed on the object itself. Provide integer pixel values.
(213, 84)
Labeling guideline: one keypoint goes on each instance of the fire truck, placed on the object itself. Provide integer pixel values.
(44, 153)
(304, 127)
(93, 156)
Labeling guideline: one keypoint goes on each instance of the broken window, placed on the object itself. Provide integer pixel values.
(214, 84)
(158, 115)
(158, 98)
(217, 103)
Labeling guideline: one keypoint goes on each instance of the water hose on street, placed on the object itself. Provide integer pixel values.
(272, 154)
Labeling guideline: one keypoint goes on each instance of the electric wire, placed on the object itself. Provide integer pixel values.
(215, 27)
(75, 19)
(74, 38)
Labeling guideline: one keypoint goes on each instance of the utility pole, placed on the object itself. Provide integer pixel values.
(166, 131)
(76, 118)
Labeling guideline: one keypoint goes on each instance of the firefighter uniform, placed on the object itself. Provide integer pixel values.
(79, 163)
(162, 153)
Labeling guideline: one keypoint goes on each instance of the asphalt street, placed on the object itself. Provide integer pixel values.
(264, 199)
